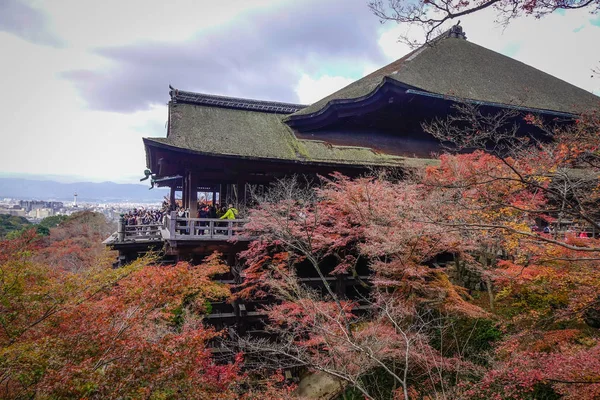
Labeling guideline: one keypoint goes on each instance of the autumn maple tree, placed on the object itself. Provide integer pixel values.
(396, 328)
(465, 295)
(74, 327)
(545, 284)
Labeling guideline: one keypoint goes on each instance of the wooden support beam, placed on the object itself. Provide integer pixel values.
(229, 194)
(185, 191)
(231, 259)
(193, 188)
(240, 193)
(172, 197)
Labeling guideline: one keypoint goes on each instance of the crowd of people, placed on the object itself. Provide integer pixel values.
(142, 218)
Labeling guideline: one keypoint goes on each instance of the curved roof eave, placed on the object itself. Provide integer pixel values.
(391, 85)
(334, 105)
(151, 142)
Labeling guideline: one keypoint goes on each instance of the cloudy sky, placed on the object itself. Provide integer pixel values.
(83, 81)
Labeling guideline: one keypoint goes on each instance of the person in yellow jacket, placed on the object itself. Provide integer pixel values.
(231, 213)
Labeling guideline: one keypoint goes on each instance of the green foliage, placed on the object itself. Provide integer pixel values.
(467, 337)
(207, 307)
(537, 296)
(42, 230)
(165, 394)
(543, 391)
(541, 300)
(12, 226)
(12, 223)
(178, 316)
(376, 381)
(179, 312)
(478, 335)
(53, 221)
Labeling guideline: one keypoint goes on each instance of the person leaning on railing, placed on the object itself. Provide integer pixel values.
(231, 213)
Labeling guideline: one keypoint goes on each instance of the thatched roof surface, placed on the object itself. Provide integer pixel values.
(456, 67)
(259, 135)
(230, 132)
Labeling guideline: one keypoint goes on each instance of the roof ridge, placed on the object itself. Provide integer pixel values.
(182, 96)
(454, 32)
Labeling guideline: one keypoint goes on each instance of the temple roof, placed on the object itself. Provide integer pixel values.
(453, 66)
(450, 68)
(221, 130)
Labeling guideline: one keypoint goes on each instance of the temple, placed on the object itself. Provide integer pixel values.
(226, 147)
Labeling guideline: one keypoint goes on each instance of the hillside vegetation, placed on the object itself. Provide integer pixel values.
(12, 223)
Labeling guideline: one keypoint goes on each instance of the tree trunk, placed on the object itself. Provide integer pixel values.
(490, 290)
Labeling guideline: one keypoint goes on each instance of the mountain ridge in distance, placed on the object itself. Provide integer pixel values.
(37, 189)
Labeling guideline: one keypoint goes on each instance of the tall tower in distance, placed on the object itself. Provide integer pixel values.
(75, 199)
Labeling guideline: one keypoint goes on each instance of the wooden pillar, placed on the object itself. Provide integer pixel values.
(231, 259)
(241, 193)
(340, 285)
(184, 191)
(193, 197)
(228, 194)
(172, 197)
(121, 229)
(173, 225)
(214, 195)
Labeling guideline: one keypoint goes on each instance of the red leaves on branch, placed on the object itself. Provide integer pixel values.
(485, 212)
(391, 224)
(98, 332)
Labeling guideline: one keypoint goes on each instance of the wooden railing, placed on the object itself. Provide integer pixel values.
(202, 228)
(179, 228)
(127, 233)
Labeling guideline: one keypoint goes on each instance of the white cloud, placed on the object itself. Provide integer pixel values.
(90, 23)
(47, 128)
(310, 90)
(389, 43)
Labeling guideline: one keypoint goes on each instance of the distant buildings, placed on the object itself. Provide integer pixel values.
(14, 210)
(32, 205)
(36, 210)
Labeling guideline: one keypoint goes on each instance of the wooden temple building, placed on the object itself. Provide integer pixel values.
(225, 146)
